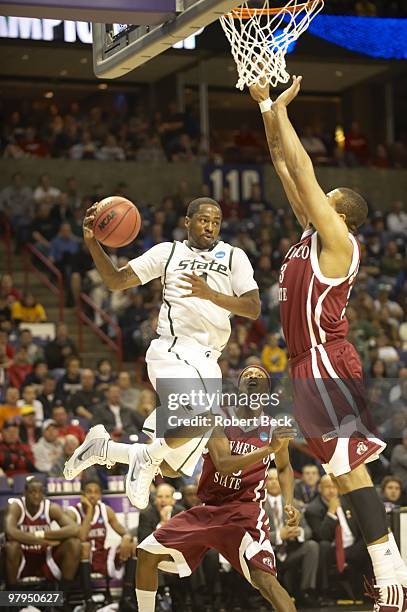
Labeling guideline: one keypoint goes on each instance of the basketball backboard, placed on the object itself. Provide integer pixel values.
(119, 48)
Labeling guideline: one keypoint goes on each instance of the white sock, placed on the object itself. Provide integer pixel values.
(146, 600)
(382, 561)
(399, 566)
(118, 452)
(158, 449)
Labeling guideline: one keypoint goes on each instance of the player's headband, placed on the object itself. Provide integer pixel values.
(257, 367)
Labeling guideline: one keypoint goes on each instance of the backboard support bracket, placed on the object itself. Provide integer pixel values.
(141, 44)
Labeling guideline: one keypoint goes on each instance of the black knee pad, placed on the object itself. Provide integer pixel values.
(369, 512)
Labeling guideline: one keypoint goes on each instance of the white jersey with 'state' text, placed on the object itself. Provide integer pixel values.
(225, 268)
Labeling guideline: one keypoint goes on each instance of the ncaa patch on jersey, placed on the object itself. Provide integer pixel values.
(220, 254)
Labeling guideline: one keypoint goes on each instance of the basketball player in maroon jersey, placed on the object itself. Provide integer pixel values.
(32, 547)
(316, 279)
(233, 520)
(93, 517)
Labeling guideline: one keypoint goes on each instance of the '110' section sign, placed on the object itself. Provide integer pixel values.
(238, 179)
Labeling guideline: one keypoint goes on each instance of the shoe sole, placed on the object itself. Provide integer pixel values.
(70, 472)
(137, 450)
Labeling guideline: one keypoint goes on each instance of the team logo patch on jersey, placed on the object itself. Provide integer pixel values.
(268, 561)
(220, 254)
(361, 448)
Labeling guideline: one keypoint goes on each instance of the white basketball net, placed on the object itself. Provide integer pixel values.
(259, 43)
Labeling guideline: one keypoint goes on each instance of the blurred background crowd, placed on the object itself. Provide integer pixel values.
(49, 396)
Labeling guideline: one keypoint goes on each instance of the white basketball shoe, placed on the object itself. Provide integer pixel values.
(142, 471)
(92, 450)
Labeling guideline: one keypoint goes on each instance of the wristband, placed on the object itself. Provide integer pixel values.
(265, 105)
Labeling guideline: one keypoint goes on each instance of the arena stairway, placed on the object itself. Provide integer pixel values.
(93, 347)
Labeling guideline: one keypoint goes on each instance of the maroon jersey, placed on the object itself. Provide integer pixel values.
(30, 524)
(312, 306)
(98, 527)
(246, 485)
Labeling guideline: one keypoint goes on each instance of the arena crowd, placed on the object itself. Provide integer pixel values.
(49, 397)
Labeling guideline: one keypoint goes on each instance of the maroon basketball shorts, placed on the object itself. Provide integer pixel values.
(106, 561)
(330, 407)
(41, 563)
(237, 530)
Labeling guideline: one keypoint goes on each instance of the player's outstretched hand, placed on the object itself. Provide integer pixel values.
(197, 286)
(293, 515)
(88, 222)
(285, 98)
(259, 92)
(125, 548)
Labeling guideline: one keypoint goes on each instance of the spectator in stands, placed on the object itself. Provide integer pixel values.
(7, 289)
(34, 351)
(158, 512)
(399, 461)
(59, 349)
(111, 151)
(397, 219)
(273, 357)
(64, 249)
(392, 262)
(5, 315)
(70, 382)
(306, 489)
(71, 443)
(47, 395)
(43, 228)
(86, 149)
(16, 201)
(29, 431)
(28, 310)
(83, 402)
(19, 369)
(65, 425)
(391, 489)
(29, 398)
(104, 374)
(45, 193)
(356, 146)
(10, 409)
(48, 448)
(293, 545)
(37, 376)
(32, 144)
(129, 395)
(190, 498)
(119, 421)
(338, 534)
(381, 159)
(146, 404)
(234, 357)
(314, 145)
(15, 457)
(151, 151)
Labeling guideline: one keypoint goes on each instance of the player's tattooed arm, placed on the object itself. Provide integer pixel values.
(329, 224)
(259, 94)
(247, 305)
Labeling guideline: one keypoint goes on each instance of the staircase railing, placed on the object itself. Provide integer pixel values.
(85, 304)
(6, 237)
(31, 257)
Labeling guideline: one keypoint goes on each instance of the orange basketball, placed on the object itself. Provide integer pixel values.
(117, 222)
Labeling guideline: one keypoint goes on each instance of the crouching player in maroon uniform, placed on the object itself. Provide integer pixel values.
(232, 519)
(93, 517)
(32, 547)
(316, 279)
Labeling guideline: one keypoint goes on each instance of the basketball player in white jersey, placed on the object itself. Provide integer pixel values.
(205, 281)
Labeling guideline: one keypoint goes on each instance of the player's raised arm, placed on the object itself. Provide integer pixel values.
(330, 225)
(261, 95)
(114, 278)
(286, 480)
